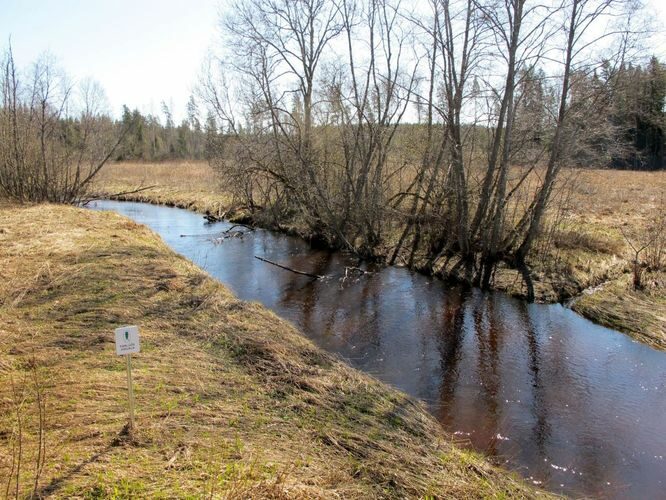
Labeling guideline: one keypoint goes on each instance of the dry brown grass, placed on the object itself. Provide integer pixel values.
(186, 175)
(231, 400)
(184, 184)
(610, 198)
(617, 305)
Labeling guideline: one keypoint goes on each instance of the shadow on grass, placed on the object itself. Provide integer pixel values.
(123, 438)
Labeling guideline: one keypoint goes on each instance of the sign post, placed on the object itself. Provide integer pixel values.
(130, 390)
(127, 342)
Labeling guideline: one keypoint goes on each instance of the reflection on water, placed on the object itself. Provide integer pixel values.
(577, 407)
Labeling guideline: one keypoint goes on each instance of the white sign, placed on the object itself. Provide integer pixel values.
(127, 340)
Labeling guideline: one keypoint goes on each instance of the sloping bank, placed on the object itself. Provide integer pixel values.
(231, 400)
(598, 283)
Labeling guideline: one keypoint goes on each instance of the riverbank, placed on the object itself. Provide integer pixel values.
(231, 400)
(588, 266)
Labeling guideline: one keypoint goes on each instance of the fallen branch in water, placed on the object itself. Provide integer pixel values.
(227, 233)
(211, 218)
(232, 233)
(249, 228)
(315, 276)
(137, 190)
(356, 270)
(353, 272)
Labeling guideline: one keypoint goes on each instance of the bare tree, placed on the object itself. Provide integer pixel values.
(580, 16)
(276, 49)
(508, 39)
(369, 99)
(336, 181)
(54, 137)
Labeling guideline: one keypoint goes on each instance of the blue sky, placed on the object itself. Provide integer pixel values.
(141, 51)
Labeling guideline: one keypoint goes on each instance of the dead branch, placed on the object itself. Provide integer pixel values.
(132, 191)
(232, 232)
(211, 219)
(116, 195)
(352, 271)
(228, 236)
(249, 228)
(286, 268)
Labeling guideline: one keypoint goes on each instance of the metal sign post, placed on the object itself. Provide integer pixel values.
(127, 342)
(130, 390)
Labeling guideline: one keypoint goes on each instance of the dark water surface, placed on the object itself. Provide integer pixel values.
(572, 406)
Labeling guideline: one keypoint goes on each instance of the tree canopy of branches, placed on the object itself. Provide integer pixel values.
(317, 96)
(54, 137)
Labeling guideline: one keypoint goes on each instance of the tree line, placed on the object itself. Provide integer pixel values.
(628, 125)
(154, 139)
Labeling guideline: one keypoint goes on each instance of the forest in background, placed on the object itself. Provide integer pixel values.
(628, 126)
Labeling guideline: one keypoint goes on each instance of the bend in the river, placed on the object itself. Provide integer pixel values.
(573, 406)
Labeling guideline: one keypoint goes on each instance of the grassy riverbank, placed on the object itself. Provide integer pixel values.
(231, 400)
(590, 258)
(187, 184)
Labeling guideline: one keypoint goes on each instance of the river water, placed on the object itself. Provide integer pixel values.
(573, 407)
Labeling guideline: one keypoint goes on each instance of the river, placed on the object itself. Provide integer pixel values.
(571, 406)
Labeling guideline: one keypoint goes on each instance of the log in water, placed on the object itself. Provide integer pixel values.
(570, 405)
